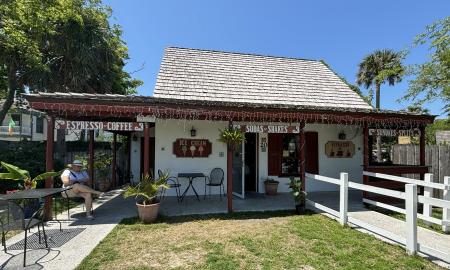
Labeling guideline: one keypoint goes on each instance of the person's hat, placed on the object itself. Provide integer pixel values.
(77, 163)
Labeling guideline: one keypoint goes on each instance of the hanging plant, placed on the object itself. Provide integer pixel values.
(233, 137)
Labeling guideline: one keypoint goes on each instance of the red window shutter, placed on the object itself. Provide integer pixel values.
(274, 154)
(312, 152)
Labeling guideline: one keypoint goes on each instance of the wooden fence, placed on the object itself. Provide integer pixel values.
(411, 198)
(436, 156)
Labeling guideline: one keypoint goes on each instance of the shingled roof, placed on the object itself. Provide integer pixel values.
(204, 75)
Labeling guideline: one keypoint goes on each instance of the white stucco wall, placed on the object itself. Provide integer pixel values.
(330, 167)
(167, 131)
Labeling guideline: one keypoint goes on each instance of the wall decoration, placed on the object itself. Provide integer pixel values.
(339, 149)
(192, 148)
(263, 144)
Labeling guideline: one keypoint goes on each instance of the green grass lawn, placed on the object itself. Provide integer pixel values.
(272, 240)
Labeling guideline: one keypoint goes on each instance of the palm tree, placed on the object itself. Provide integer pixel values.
(377, 68)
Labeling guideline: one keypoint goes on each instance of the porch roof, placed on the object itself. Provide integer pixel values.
(102, 106)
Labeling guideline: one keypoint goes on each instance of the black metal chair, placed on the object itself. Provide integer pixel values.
(172, 182)
(215, 179)
(13, 218)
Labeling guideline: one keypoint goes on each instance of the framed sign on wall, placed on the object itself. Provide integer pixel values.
(339, 149)
(192, 148)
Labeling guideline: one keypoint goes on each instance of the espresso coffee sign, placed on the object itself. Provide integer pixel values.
(192, 148)
(80, 125)
(339, 149)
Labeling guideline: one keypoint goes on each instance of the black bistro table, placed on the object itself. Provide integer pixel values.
(32, 194)
(191, 177)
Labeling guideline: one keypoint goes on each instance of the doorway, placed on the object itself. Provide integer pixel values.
(251, 162)
(245, 166)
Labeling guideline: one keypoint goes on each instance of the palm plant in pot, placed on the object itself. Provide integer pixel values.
(146, 194)
(299, 195)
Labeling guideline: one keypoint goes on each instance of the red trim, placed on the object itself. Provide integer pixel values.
(397, 169)
(78, 111)
(230, 176)
(366, 154)
(422, 150)
(146, 149)
(49, 165)
(302, 154)
(114, 161)
(91, 158)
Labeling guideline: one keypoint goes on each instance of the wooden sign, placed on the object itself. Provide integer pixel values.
(192, 148)
(268, 128)
(146, 118)
(80, 125)
(395, 132)
(339, 149)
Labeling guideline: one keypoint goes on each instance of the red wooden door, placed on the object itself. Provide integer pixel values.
(312, 152)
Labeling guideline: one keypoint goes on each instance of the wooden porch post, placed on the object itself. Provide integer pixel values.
(302, 164)
(366, 154)
(114, 160)
(49, 164)
(129, 157)
(230, 175)
(91, 158)
(146, 149)
(422, 149)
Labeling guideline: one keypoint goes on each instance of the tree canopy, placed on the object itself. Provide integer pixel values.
(60, 45)
(432, 79)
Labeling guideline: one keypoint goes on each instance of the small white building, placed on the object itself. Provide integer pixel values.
(297, 115)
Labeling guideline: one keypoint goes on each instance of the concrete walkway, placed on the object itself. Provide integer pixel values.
(425, 237)
(78, 238)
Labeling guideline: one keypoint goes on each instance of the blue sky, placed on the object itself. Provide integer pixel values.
(339, 32)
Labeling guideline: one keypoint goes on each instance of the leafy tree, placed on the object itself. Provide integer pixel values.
(61, 45)
(432, 79)
(377, 68)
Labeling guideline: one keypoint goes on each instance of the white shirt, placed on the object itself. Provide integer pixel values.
(75, 176)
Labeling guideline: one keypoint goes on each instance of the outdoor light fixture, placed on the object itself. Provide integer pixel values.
(342, 135)
(193, 132)
(134, 137)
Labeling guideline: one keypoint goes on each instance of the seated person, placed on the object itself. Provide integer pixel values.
(78, 178)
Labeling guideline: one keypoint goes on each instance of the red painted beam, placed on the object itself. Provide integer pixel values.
(302, 155)
(129, 157)
(91, 158)
(366, 154)
(49, 164)
(114, 161)
(146, 149)
(230, 176)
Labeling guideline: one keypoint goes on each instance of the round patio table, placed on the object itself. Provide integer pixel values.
(191, 177)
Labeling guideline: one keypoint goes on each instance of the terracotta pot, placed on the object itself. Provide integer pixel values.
(271, 188)
(149, 212)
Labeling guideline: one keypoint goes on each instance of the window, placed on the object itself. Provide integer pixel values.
(283, 154)
(289, 154)
(39, 125)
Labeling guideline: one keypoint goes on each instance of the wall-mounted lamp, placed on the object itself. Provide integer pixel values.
(134, 137)
(193, 132)
(342, 135)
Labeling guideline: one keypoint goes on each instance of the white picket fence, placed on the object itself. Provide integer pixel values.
(411, 201)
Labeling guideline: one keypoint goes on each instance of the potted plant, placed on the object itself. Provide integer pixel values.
(18, 174)
(146, 194)
(232, 137)
(271, 186)
(299, 194)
